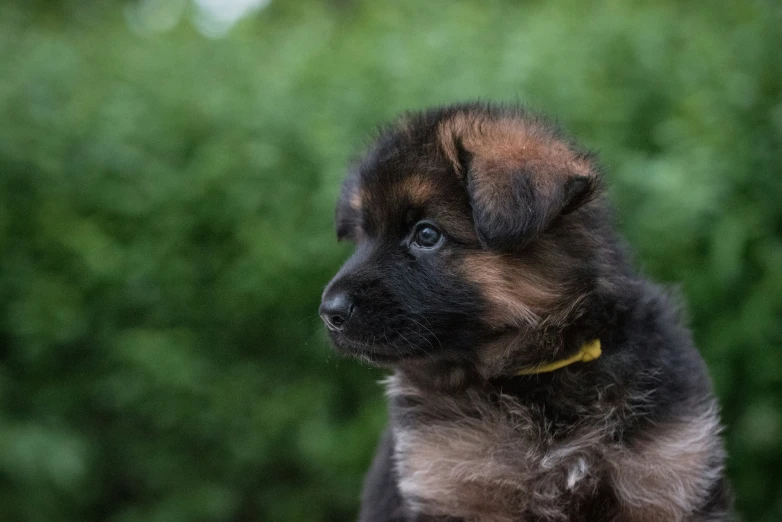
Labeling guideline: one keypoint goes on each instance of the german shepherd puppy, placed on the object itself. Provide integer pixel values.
(536, 375)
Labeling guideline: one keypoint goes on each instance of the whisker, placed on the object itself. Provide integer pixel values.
(308, 318)
(427, 329)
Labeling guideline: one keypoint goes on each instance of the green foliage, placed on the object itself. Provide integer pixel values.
(165, 229)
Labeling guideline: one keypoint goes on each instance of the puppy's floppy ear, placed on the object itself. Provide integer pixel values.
(520, 176)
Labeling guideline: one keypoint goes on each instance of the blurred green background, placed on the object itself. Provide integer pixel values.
(168, 171)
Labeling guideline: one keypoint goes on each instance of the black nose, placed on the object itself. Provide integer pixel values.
(335, 310)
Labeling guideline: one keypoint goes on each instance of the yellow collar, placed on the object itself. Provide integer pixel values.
(589, 352)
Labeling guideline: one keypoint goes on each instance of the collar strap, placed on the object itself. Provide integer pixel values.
(589, 352)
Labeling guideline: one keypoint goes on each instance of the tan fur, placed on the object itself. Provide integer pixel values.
(663, 477)
(518, 295)
(493, 461)
(457, 224)
(506, 142)
(534, 289)
(418, 190)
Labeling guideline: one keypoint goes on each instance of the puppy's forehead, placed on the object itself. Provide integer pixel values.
(404, 183)
(398, 193)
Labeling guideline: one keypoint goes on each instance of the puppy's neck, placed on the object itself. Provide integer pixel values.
(499, 362)
(441, 375)
(455, 377)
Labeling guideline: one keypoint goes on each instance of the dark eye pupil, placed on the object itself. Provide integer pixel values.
(427, 236)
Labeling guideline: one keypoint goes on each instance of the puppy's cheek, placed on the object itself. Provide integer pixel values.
(376, 309)
(514, 294)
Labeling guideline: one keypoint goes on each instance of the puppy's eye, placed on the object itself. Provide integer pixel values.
(427, 236)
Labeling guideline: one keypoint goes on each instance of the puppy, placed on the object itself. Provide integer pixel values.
(536, 376)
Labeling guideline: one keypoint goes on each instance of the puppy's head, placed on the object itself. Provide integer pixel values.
(473, 225)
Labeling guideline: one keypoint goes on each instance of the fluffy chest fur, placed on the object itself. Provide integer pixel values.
(484, 458)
